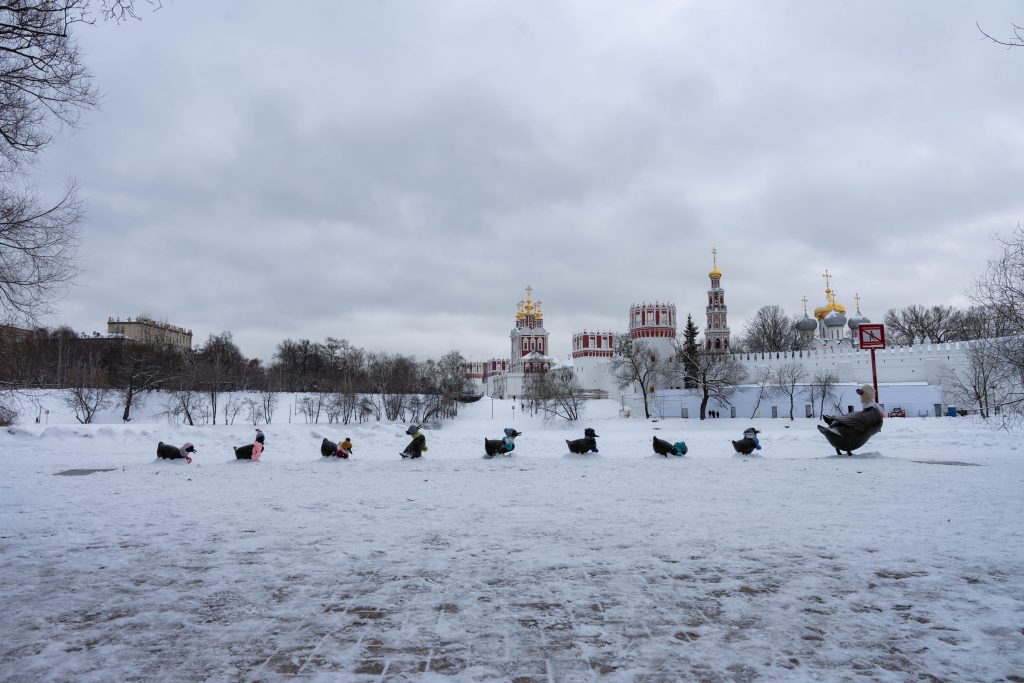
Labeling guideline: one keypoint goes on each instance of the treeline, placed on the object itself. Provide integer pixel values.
(216, 384)
(772, 329)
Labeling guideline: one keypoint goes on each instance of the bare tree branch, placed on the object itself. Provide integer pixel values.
(1017, 40)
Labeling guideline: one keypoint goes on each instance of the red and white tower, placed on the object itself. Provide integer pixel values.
(716, 335)
(654, 324)
(593, 344)
(529, 338)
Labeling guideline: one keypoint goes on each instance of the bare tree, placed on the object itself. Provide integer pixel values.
(634, 363)
(557, 393)
(771, 330)
(786, 379)
(717, 374)
(7, 412)
(935, 323)
(344, 403)
(986, 383)
(821, 389)
(44, 85)
(1000, 290)
(141, 368)
(765, 389)
(311, 405)
(89, 392)
(979, 322)
(186, 404)
(234, 403)
(37, 249)
(268, 402)
(220, 366)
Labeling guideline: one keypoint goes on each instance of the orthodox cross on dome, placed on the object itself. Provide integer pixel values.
(804, 299)
(856, 298)
(715, 272)
(828, 280)
(528, 307)
(529, 300)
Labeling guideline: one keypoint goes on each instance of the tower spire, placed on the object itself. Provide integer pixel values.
(715, 272)
(716, 334)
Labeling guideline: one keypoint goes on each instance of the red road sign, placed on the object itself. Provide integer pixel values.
(872, 336)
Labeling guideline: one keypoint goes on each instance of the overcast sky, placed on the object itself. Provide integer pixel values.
(396, 172)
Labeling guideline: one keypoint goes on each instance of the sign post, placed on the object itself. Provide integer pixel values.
(872, 336)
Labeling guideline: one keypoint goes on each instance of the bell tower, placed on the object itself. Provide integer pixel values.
(716, 334)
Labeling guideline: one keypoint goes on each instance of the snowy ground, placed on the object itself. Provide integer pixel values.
(905, 563)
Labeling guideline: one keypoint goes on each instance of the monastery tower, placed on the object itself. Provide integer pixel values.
(716, 334)
(529, 338)
(655, 325)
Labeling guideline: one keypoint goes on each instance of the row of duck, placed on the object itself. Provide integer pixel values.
(418, 445)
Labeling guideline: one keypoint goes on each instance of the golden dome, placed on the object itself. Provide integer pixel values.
(716, 272)
(821, 311)
(528, 307)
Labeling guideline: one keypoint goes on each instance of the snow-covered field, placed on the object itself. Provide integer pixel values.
(904, 563)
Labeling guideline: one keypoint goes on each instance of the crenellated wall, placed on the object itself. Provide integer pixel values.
(926, 362)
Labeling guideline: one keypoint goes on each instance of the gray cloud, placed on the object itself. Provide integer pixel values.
(395, 174)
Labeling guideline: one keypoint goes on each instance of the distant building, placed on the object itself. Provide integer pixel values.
(529, 345)
(477, 372)
(716, 334)
(11, 333)
(149, 331)
(529, 338)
